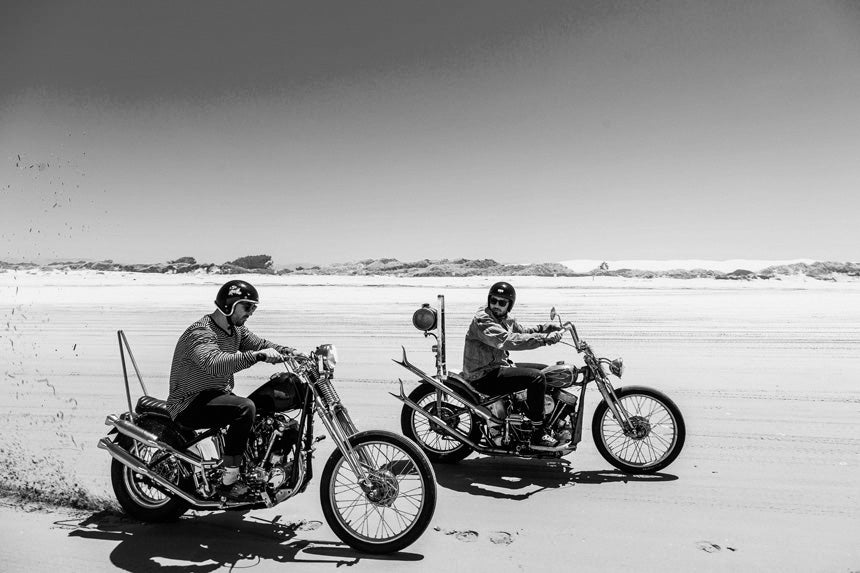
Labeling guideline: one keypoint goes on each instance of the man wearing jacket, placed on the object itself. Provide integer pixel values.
(492, 334)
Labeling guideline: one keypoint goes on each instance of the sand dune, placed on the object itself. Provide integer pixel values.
(724, 265)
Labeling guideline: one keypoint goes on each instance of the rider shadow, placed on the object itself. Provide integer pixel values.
(518, 479)
(207, 542)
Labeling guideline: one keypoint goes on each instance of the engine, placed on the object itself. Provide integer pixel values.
(519, 404)
(558, 408)
(269, 454)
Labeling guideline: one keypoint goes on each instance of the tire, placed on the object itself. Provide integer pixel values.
(137, 495)
(439, 446)
(403, 478)
(662, 431)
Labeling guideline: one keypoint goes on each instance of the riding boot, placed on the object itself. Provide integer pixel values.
(540, 436)
(232, 487)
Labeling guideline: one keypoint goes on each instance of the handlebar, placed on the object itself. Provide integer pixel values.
(571, 328)
(295, 358)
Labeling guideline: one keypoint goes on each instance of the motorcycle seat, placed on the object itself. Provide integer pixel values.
(154, 406)
(459, 377)
(150, 405)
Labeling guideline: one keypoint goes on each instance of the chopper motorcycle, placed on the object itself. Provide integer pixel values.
(637, 429)
(377, 491)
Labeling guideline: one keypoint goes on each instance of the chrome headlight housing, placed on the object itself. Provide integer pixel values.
(617, 367)
(327, 353)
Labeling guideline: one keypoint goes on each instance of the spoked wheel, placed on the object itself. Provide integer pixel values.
(655, 439)
(436, 443)
(137, 494)
(393, 508)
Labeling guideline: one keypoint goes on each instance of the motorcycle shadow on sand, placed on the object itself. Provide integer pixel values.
(519, 479)
(203, 542)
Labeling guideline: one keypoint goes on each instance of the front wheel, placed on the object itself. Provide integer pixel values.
(438, 444)
(656, 435)
(393, 507)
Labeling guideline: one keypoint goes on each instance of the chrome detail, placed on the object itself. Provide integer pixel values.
(328, 355)
(139, 466)
(327, 392)
(151, 440)
(479, 410)
(567, 398)
(435, 419)
(617, 367)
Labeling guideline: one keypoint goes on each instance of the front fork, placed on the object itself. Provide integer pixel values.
(340, 427)
(620, 414)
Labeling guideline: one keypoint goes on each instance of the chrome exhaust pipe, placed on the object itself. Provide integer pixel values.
(132, 431)
(149, 439)
(445, 427)
(479, 410)
(139, 466)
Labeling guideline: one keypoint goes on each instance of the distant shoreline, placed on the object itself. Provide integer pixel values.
(819, 270)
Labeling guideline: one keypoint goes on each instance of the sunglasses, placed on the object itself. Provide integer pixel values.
(248, 306)
(503, 302)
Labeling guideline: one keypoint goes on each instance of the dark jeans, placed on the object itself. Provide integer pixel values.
(216, 409)
(522, 376)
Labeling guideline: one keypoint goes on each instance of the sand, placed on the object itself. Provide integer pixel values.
(766, 374)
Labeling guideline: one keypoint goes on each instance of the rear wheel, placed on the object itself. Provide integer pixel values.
(138, 495)
(439, 445)
(655, 439)
(393, 508)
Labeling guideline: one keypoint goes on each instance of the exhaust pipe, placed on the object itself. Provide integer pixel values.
(149, 439)
(564, 448)
(480, 410)
(139, 466)
(446, 428)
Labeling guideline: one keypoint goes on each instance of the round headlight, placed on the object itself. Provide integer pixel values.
(328, 353)
(617, 367)
(424, 318)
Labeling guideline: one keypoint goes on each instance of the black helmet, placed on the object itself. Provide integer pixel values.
(503, 290)
(233, 292)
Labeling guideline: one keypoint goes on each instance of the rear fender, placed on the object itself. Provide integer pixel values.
(462, 388)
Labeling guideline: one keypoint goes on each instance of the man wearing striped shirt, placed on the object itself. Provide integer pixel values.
(207, 355)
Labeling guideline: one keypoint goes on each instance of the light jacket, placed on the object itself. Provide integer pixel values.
(488, 341)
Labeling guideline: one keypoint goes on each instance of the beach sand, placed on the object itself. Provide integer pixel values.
(765, 372)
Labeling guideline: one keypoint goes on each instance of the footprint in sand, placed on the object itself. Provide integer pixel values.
(467, 536)
(501, 538)
(708, 547)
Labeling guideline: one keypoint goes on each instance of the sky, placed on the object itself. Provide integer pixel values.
(518, 131)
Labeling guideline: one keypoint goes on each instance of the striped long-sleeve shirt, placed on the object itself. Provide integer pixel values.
(206, 357)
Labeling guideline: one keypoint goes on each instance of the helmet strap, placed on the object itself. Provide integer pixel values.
(229, 317)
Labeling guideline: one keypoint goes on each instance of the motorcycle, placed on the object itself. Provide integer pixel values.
(637, 429)
(378, 490)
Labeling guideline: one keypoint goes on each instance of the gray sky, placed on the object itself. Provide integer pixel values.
(337, 131)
